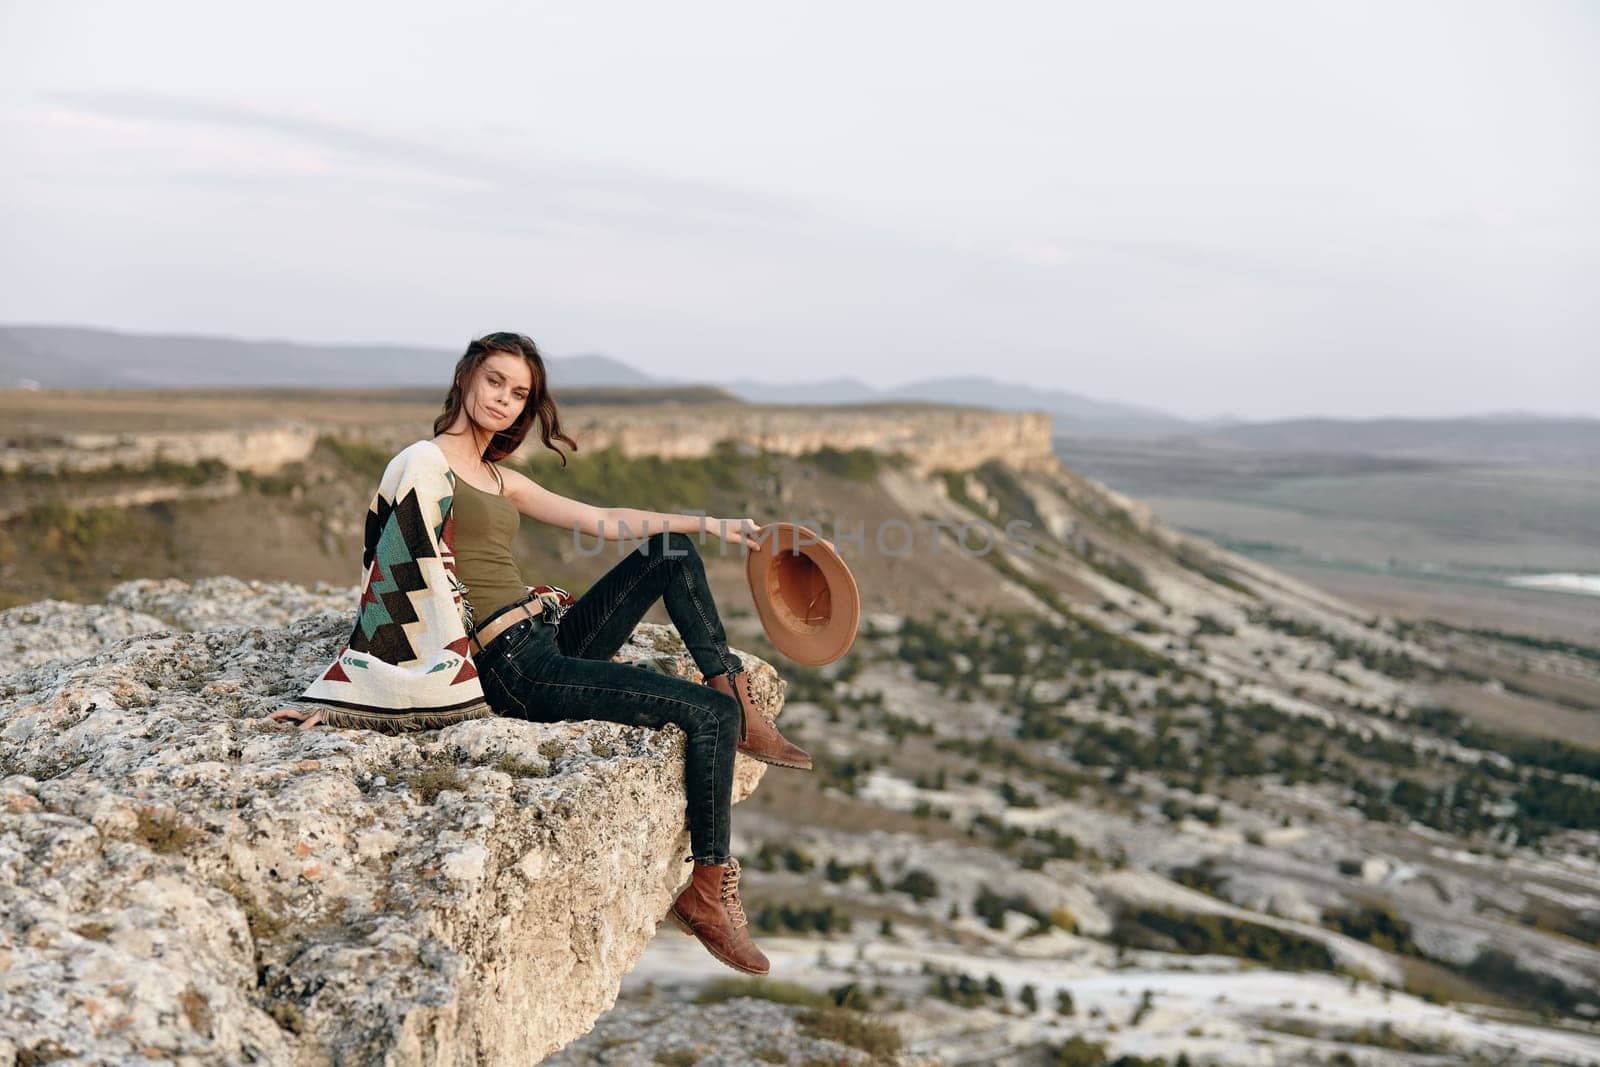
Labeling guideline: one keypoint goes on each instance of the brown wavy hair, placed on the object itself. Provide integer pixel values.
(540, 404)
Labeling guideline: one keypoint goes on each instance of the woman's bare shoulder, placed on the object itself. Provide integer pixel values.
(513, 477)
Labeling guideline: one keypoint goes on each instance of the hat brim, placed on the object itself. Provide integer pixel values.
(790, 577)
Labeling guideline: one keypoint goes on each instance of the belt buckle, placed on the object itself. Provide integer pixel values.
(477, 642)
(484, 645)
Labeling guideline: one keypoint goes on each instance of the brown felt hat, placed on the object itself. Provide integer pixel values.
(804, 594)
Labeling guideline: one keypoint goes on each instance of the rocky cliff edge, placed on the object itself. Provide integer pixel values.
(182, 880)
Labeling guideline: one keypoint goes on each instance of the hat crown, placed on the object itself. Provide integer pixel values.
(799, 590)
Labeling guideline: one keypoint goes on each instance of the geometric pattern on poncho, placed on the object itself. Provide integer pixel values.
(399, 537)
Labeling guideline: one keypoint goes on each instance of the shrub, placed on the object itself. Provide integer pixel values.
(851, 1028)
(919, 883)
(434, 779)
(1078, 1051)
(519, 768)
(779, 992)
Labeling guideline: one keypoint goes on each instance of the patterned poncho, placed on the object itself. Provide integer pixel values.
(406, 665)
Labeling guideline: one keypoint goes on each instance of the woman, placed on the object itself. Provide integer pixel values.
(547, 661)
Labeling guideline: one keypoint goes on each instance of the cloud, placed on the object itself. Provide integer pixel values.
(600, 193)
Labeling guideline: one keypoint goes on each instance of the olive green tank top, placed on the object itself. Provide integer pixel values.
(485, 524)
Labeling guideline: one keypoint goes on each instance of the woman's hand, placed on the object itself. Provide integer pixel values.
(748, 532)
(743, 531)
(306, 721)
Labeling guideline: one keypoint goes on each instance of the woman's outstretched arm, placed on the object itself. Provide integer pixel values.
(612, 524)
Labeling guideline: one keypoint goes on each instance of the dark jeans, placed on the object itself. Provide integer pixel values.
(545, 672)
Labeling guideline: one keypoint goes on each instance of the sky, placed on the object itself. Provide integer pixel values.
(1253, 209)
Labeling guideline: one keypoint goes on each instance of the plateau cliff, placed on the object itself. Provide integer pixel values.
(181, 879)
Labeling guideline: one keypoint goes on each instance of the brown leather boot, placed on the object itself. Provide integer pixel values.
(758, 737)
(709, 908)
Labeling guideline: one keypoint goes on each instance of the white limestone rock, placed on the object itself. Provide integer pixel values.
(181, 879)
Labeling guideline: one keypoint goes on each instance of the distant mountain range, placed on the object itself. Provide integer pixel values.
(72, 357)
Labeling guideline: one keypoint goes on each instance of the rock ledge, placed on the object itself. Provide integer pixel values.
(181, 879)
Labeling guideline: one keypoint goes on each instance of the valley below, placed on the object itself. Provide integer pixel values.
(1124, 795)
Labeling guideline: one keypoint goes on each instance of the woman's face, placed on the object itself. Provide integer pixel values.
(499, 391)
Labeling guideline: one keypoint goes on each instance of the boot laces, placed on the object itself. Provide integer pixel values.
(732, 678)
(730, 894)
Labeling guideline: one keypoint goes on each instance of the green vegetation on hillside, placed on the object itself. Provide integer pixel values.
(1206, 934)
